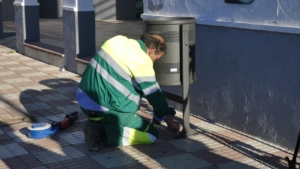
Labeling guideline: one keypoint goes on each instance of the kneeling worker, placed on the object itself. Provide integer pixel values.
(112, 86)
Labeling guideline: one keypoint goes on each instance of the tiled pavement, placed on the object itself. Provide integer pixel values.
(33, 88)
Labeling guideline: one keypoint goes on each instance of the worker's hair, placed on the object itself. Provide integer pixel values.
(154, 43)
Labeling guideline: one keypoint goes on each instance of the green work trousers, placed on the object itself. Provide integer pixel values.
(123, 129)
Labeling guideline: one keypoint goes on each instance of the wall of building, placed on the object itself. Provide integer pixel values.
(48, 9)
(51, 9)
(115, 10)
(104, 10)
(273, 15)
(249, 80)
(8, 10)
(247, 64)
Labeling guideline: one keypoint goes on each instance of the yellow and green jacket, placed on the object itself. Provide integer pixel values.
(117, 77)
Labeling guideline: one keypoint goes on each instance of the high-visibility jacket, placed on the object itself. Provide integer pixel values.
(117, 77)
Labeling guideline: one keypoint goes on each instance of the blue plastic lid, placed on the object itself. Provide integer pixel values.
(38, 125)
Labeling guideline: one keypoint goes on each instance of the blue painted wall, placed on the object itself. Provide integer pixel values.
(247, 64)
(249, 80)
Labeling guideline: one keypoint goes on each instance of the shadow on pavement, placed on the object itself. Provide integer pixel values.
(263, 152)
(66, 148)
(19, 151)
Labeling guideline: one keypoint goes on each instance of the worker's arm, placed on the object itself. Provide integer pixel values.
(162, 112)
(156, 98)
(145, 77)
(143, 73)
(160, 105)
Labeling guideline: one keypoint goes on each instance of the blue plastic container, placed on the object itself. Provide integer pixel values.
(41, 130)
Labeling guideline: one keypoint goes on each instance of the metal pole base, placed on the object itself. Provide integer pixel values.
(291, 163)
(184, 134)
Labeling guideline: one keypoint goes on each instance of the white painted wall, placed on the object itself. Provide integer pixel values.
(272, 15)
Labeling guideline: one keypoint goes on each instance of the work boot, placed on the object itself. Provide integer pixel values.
(94, 135)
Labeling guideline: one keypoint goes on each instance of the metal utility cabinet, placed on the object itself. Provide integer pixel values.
(177, 66)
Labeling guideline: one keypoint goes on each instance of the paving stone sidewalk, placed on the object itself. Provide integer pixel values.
(30, 88)
(33, 88)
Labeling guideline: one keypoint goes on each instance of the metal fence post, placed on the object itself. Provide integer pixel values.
(79, 31)
(27, 23)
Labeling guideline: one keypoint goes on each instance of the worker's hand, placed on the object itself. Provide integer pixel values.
(173, 126)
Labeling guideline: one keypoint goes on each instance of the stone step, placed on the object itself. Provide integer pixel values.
(53, 55)
(47, 53)
(81, 64)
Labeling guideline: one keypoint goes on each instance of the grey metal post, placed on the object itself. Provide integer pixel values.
(27, 23)
(185, 81)
(1, 21)
(79, 31)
